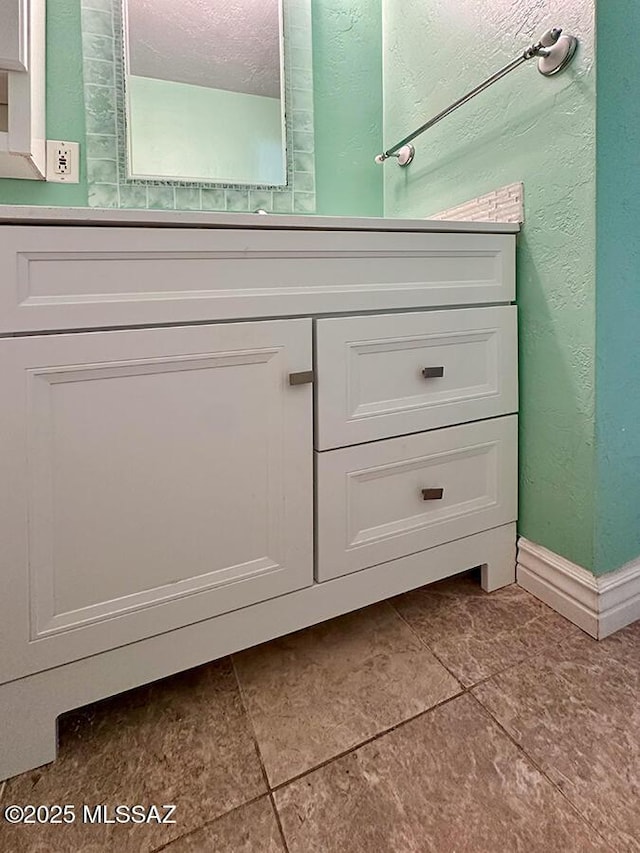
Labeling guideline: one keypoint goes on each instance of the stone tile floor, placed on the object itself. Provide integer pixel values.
(446, 720)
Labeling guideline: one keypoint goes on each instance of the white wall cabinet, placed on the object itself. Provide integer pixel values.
(14, 33)
(22, 89)
(158, 506)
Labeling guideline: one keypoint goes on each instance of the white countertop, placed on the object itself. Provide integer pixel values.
(38, 215)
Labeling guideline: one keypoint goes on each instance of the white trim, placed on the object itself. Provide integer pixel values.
(598, 605)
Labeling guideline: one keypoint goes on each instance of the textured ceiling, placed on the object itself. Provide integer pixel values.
(223, 44)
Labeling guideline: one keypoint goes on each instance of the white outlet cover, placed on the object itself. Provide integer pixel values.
(72, 175)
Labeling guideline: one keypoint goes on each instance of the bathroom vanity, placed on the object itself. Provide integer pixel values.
(221, 428)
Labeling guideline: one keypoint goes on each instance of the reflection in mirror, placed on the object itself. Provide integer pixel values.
(205, 91)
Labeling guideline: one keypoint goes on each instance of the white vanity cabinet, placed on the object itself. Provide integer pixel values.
(219, 434)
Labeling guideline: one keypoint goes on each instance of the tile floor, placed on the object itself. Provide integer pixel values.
(445, 720)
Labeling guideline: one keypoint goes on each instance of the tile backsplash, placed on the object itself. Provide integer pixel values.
(505, 204)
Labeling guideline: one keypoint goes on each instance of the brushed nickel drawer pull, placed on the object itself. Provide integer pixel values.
(433, 372)
(432, 494)
(303, 377)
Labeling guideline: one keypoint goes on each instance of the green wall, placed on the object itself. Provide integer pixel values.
(540, 131)
(65, 107)
(618, 285)
(347, 72)
(348, 106)
(175, 127)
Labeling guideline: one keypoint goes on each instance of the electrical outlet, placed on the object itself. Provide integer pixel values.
(63, 161)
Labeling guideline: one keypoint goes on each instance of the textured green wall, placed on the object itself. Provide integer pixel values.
(347, 92)
(65, 107)
(540, 131)
(618, 285)
(347, 71)
(175, 127)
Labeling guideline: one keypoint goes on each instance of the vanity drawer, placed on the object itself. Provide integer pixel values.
(394, 374)
(377, 502)
(75, 277)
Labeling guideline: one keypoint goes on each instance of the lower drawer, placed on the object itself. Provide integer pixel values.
(380, 501)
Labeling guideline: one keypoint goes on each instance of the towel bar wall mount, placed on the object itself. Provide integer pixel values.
(554, 52)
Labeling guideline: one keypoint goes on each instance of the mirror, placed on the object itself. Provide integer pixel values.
(204, 91)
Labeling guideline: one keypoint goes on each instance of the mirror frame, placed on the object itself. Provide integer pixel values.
(106, 146)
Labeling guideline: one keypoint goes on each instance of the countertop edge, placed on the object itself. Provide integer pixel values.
(42, 215)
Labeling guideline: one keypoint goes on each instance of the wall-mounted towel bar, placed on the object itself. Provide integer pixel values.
(554, 52)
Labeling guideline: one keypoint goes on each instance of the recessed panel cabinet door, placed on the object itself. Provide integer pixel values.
(149, 479)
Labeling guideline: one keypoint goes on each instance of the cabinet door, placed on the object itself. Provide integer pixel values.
(14, 16)
(149, 479)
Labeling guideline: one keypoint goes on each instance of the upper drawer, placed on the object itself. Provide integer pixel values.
(395, 374)
(70, 277)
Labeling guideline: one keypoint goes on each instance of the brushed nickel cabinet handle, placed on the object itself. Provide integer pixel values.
(433, 372)
(303, 377)
(432, 494)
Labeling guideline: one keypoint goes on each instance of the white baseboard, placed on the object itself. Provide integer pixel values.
(598, 605)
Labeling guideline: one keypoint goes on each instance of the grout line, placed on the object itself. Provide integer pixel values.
(266, 793)
(256, 742)
(526, 659)
(366, 742)
(278, 821)
(424, 643)
(208, 823)
(542, 772)
(259, 754)
(539, 653)
(469, 687)
(3, 785)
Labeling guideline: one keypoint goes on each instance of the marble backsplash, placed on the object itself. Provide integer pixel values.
(505, 204)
